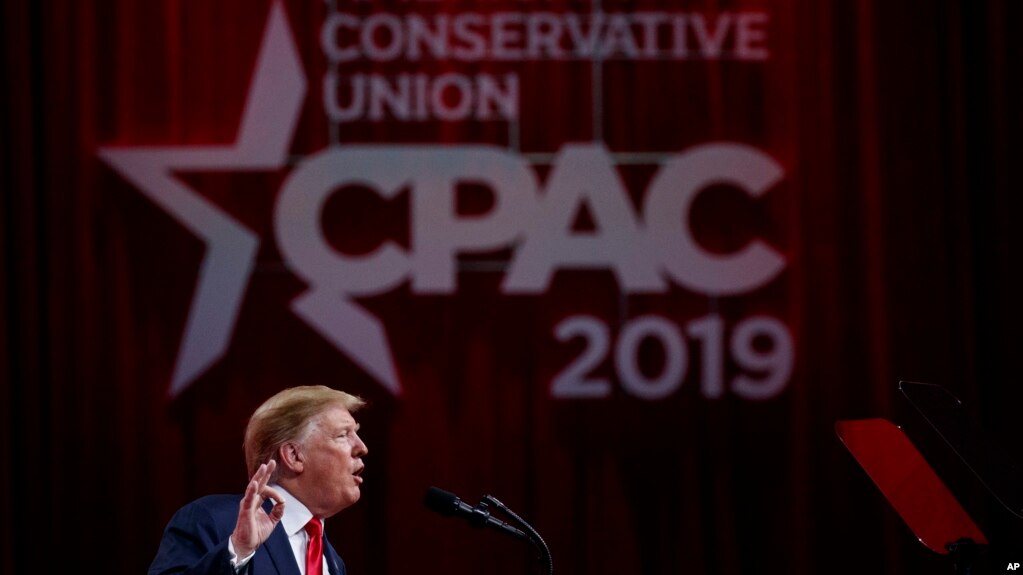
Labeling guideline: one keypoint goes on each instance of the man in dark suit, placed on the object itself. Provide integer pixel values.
(304, 455)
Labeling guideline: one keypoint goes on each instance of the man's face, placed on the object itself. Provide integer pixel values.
(332, 453)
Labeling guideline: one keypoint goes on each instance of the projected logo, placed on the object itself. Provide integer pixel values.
(647, 250)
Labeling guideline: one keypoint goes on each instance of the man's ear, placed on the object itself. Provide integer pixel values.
(291, 458)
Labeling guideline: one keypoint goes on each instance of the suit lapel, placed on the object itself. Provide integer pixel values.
(279, 550)
(334, 562)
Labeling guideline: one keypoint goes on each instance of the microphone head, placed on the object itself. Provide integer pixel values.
(441, 501)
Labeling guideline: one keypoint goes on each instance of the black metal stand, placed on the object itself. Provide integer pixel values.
(964, 554)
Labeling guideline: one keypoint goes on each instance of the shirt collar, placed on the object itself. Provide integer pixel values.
(296, 514)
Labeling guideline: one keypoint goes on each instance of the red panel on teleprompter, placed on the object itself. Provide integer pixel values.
(908, 482)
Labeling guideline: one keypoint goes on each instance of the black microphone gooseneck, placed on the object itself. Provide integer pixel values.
(534, 538)
(448, 504)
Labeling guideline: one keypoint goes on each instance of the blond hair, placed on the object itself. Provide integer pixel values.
(286, 416)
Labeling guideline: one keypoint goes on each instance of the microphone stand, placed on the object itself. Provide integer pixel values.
(534, 537)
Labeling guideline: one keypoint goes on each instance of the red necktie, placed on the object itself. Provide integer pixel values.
(314, 552)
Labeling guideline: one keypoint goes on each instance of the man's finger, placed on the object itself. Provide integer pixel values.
(277, 512)
(264, 473)
(251, 499)
(260, 473)
(271, 493)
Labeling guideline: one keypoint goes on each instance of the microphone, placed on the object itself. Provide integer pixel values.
(448, 505)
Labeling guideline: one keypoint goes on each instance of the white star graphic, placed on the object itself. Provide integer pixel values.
(268, 123)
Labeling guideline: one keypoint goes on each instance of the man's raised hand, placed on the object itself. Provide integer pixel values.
(255, 525)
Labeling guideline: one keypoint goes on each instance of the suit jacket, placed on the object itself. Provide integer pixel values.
(195, 542)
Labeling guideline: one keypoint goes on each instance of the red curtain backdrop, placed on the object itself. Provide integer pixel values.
(896, 129)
